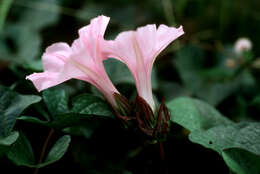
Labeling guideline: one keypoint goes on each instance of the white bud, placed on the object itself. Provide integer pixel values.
(243, 44)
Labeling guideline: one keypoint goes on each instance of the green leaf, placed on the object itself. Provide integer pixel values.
(89, 104)
(9, 140)
(241, 161)
(203, 82)
(57, 151)
(171, 90)
(33, 120)
(21, 152)
(67, 120)
(4, 8)
(238, 143)
(195, 114)
(85, 107)
(12, 105)
(85, 130)
(189, 62)
(34, 65)
(27, 28)
(56, 101)
(25, 52)
(210, 91)
(6, 142)
(72, 119)
(35, 17)
(118, 72)
(244, 135)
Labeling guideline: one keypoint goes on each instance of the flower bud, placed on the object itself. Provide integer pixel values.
(157, 125)
(242, 44)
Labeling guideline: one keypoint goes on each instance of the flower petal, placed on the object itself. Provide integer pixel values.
(55, 56)
(53, 61)
(122, 48)
(90, 33)
(146, 38)
(43, 80)
(165, 35)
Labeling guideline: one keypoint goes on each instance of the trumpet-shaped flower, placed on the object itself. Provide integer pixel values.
(83, 61)
(138, 50)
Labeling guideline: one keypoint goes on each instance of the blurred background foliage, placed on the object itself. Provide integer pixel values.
(201, 64)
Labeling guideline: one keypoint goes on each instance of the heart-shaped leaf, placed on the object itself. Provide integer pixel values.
(12, 105)
(195, 114)
(56, 101)
(237, 143)
(57, 151)
(21, 152)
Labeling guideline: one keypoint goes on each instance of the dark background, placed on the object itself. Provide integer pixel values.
(211, 29)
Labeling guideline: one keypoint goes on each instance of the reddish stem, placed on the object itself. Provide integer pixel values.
(44, 149)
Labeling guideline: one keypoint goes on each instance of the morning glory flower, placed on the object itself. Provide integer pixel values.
(83, 61)
(138, 50)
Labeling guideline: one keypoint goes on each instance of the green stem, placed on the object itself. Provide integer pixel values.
(241, 68)
(4, 8)
(245, 65)
(168, 11)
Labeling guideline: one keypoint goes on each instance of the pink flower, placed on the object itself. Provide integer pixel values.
(83, 61)
(138, 50)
